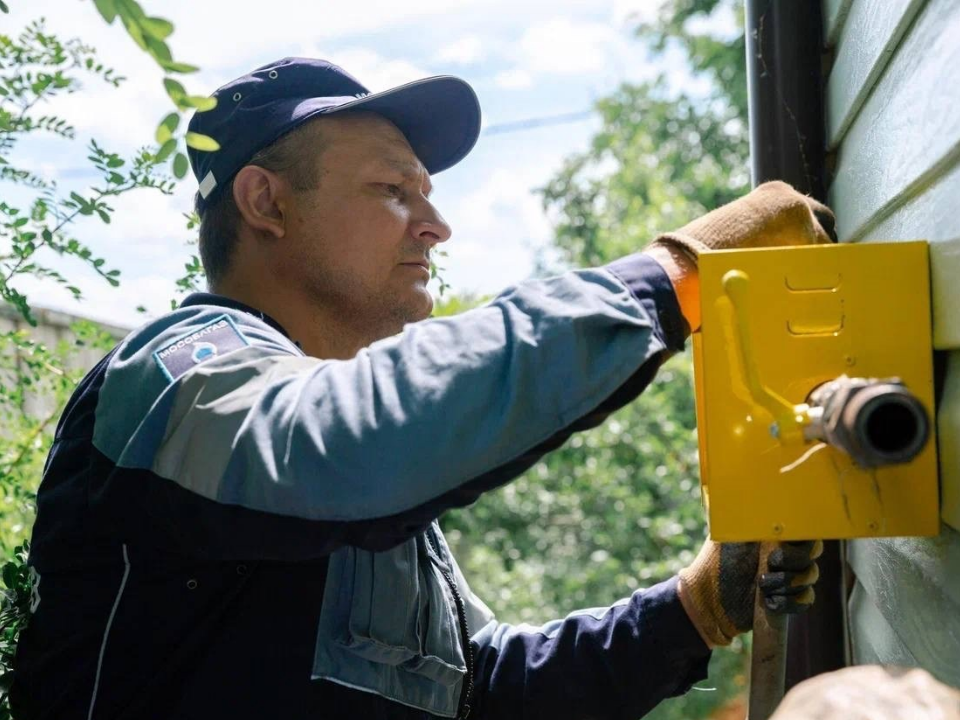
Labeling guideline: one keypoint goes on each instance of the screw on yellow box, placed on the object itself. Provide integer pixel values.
(777, 324)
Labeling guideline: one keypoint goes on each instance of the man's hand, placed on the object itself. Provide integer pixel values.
(717, 590)
(773, 214)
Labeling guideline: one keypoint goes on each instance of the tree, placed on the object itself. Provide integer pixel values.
(618, 507)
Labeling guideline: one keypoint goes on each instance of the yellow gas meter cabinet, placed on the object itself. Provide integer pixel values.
(781, 330)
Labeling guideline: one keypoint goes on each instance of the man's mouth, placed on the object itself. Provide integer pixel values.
(425, 264)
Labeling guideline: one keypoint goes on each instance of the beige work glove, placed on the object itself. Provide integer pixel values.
(717, 590)
(773, 214)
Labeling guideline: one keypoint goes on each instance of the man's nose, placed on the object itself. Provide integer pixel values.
(429, 225)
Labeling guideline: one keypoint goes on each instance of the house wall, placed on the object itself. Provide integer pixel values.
(52, 328)
(893, 127)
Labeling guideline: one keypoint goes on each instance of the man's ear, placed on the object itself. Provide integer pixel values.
(258, 194)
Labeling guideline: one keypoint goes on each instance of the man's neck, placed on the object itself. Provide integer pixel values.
(319, 333)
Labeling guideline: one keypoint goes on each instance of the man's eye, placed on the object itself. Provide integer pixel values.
(393, 189)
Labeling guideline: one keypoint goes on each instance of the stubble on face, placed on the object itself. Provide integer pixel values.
(372, 312)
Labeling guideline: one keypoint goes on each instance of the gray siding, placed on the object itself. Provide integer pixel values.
(878, 26)
(907, 133)
(835, 14)
(893, 119)
(905, 603)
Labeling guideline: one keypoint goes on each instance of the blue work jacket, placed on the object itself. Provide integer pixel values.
(228, 528)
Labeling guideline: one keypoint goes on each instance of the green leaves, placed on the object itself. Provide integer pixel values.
(179, 67)
(192, 277)
(14, 609)
(183, 101)
(166, 150)
(107, 9)
(180, 166)
(3, 7)
(150, 34)
(158, 49)
(202, 142)
(84, 206)
(134, 31)
(175, 90)
(157, 28)
(131, 9)
(202, 103)
(167, 127)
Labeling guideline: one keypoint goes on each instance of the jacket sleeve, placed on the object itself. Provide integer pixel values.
(231, 442)
(614, 663)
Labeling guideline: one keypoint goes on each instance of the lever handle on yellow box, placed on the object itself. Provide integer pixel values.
(789, 420)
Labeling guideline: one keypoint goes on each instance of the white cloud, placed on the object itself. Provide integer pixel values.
(601, 53)
(373, 70)
(722, 22)
(466, 50)
(224, 34)
(121, 119)
(147, 225)
(564, 47)
(497, 228)
(632, 13)
(115, 306)
(218, 34)
(515, 79)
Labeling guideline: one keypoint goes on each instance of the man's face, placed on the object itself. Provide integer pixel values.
(360, 243)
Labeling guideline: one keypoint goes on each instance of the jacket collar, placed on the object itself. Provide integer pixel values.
(203, 298)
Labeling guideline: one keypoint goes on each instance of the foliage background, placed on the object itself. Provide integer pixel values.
(616, 509)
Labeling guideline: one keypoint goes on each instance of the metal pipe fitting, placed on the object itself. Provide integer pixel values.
(877, 422)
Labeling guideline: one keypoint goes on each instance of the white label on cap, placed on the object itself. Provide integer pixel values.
(207, 185)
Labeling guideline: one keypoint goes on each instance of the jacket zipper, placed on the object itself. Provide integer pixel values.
(464, 710)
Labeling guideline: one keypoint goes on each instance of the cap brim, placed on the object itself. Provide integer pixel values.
(439, 116)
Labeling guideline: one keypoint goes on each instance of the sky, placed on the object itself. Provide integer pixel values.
(525, 59)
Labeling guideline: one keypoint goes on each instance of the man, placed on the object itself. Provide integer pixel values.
(238, 516)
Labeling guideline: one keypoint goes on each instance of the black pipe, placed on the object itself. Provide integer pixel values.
(787, 142)
(784, 85)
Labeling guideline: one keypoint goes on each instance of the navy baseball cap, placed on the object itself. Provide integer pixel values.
(439, 116)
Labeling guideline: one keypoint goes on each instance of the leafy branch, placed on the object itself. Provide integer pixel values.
(14, 613)
(150, 34)
(44, 226)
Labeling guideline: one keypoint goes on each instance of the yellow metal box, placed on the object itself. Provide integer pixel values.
(782, 322)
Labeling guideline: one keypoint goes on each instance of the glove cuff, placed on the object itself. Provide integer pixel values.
(701, 599)
(687, 244)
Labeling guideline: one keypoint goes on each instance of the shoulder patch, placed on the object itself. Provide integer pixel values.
(217, 337)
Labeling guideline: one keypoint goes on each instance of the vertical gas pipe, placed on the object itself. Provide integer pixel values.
(785, 90)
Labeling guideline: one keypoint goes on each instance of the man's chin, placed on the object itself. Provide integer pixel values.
(410, 309)
(419, 306)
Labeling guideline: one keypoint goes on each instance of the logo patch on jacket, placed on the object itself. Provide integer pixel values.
(217, 337)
